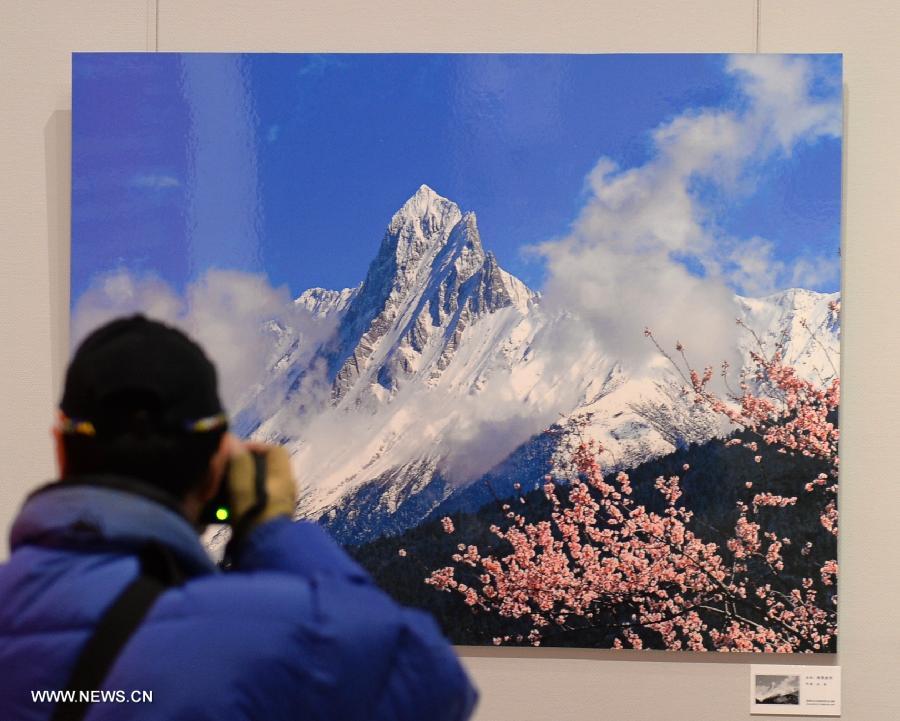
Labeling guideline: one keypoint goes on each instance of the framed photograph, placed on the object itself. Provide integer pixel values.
(553, 340)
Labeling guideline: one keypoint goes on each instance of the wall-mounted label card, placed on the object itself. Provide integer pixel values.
(795, 690)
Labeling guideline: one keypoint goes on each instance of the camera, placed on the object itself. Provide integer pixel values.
(221, 507)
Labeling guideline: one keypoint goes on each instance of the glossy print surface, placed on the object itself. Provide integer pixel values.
(488, 303)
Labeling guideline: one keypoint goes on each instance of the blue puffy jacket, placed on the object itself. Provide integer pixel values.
(298, 631)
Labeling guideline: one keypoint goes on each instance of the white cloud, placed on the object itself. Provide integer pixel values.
(623, 264)
(119, 294)
(815, 272)
(463, 432)
(779, 88)
(227, 312)
(753, 266)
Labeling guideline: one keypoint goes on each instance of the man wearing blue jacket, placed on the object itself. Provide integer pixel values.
(111, 609)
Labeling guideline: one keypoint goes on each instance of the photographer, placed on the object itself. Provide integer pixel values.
(111, 609)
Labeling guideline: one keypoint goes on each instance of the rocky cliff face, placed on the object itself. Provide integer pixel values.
(430, 280)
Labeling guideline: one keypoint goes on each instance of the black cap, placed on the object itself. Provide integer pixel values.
(137, 372)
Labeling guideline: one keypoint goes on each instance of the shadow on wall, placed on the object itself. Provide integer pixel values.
(646, 656)
(58, 173)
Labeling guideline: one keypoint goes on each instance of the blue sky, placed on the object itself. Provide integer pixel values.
(292, 165)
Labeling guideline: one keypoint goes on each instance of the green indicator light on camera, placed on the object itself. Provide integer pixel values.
(222, 514)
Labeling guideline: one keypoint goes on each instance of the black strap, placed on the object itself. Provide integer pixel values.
(159, 571)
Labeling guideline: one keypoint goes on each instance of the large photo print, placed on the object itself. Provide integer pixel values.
(553, 340)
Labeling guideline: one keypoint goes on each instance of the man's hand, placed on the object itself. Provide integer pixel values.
(256, 501)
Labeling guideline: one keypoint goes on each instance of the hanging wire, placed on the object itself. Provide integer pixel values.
(758, 14)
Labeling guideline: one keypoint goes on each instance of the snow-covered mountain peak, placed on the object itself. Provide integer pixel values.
(430, 280)
(427, 194)
(322, 302)
(800, 299)
(799, 323)
(426, 212)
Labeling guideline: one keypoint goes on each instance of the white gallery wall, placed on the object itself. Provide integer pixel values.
(36, 39)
